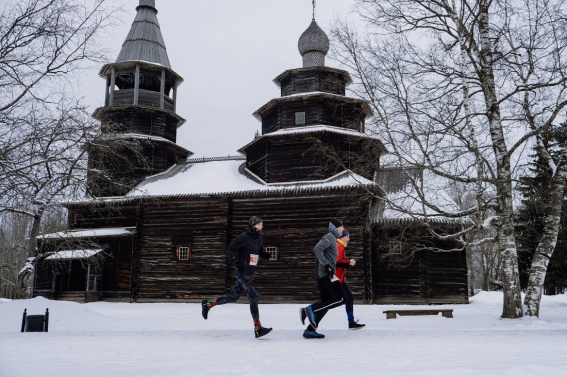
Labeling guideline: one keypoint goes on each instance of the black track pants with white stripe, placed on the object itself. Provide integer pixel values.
(332, 295)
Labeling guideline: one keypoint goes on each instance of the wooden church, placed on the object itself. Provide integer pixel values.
(157, 230)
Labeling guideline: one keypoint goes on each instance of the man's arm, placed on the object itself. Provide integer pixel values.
(232, 250)
(323, 244)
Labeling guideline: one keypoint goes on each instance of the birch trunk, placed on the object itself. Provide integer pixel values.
(512, 305)
(545, 248)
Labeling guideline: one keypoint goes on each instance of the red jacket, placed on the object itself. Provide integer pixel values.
(342, 262)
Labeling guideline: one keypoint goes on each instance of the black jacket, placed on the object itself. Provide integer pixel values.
(245, 251)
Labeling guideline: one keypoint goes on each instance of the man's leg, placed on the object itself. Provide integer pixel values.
(349, 302)
(230, 297)
(332, 295)
(253, 297)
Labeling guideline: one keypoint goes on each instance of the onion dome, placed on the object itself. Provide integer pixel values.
(313, 46)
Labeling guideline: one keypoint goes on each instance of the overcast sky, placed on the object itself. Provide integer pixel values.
(228, 52)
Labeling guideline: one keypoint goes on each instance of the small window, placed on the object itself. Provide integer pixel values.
(395, 247)
(183, 253)
(273, 251)
(299, 118)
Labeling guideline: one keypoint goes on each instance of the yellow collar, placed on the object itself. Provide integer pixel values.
(341, 242)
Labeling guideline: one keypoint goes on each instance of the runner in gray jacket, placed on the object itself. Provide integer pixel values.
(330, 289)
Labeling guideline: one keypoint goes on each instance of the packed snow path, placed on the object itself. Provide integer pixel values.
(151, 340)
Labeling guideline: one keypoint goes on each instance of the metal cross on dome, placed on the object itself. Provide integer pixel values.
(314, 5)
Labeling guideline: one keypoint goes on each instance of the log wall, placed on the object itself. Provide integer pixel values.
(294, 225)
(146, 268)
(148, 122)
(292, 159)
(416, 276)
(199, 224)
(349, 115)
(313, 81)
(121, 174)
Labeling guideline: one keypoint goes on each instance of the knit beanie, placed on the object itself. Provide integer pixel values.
(345, 233)
(337, 223)
(254, 220)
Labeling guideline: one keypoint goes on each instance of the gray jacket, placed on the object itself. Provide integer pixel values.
(326, 252)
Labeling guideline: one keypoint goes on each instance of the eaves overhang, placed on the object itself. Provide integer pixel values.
(311, 95)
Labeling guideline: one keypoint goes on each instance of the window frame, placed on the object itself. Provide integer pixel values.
(395, 247)
(274, 254)
(179, 251)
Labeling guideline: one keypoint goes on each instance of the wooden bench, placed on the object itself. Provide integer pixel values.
(391, 314)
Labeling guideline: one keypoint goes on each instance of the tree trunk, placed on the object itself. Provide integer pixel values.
(25, 277)
(512, 306)
(546, 246)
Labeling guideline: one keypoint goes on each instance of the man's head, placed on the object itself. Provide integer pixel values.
(256, 222)
(345, 236)
(338, 225)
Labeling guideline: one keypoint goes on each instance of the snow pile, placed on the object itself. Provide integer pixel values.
(166, 339)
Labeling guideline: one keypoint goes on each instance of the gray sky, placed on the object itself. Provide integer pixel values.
(228, 52)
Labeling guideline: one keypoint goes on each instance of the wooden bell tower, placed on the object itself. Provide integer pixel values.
(138, 120)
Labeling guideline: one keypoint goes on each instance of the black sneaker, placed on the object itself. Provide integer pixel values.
(355, 326)
(205, 308)
(312, 335)
(302, 315)
(262, 331)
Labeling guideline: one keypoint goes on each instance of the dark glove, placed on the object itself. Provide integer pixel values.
(329, 270)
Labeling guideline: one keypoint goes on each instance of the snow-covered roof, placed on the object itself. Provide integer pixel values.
(320, 128)
(291, 97)
(86, 233)
(137, 136)
(228, 177)
(312, 129)
(74, 254)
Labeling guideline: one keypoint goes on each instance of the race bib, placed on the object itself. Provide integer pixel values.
(254, 259)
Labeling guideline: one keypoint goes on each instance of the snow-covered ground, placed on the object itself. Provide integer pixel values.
(151, 340)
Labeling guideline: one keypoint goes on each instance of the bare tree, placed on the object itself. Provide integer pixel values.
(458, 87)
(555, 157)
(43, 127)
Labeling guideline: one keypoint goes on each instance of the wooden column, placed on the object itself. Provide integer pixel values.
(162, 91)
(112, 84)
(137, 85)
(175, 97)
(106, 93)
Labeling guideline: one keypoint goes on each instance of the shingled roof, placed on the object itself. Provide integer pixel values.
(144, 41)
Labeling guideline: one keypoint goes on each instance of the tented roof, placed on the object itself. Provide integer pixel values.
(145, 42)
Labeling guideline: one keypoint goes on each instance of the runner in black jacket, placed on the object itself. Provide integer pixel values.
(243, 253)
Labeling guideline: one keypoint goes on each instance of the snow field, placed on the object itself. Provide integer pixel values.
(172, 339)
